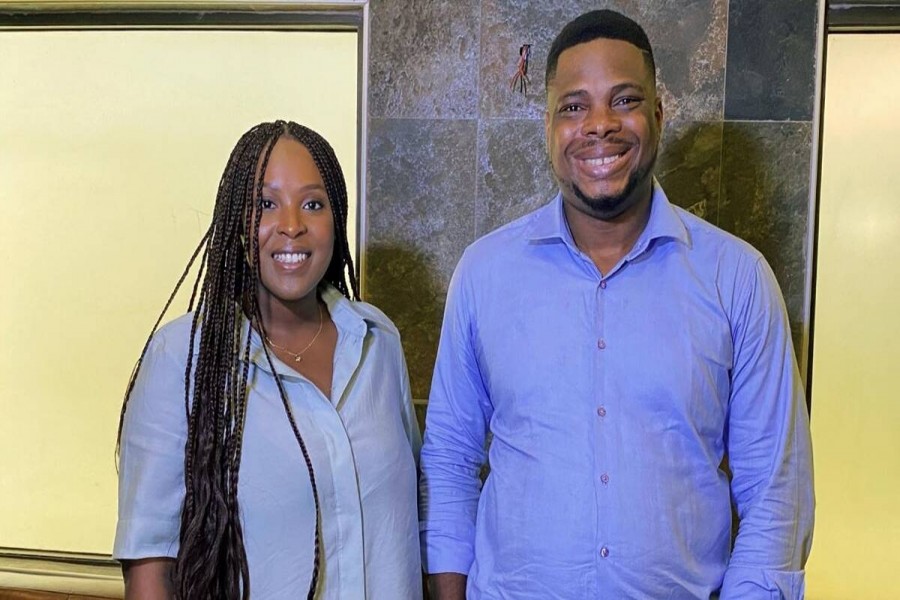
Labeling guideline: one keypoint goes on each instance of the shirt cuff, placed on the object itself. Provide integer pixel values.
(751, 583)
(145, 538)
(445, 554)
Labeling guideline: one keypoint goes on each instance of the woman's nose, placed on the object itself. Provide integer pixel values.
(291, 223)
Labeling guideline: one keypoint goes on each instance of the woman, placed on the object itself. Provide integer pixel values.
(268, 443)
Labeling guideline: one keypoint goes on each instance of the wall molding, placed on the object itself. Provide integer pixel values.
(863, 16)
(62, 572)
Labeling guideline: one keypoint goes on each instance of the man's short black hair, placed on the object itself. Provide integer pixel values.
(607, 24)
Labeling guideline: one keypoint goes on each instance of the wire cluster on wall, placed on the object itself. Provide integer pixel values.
(519, 79)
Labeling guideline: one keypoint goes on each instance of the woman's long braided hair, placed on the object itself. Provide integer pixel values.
(211, 561)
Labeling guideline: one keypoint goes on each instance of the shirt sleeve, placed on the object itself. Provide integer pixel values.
(454, 448)
(769, 450)
(151, 461)
(410, 423)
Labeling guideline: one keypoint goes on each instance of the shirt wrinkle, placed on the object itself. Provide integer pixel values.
(611, 403)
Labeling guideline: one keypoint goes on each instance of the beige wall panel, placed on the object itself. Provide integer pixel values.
(111, 147)
(855, 385)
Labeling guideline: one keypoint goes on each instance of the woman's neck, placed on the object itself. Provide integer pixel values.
(281, 319)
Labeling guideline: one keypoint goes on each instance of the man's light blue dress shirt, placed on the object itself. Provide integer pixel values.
(611, 401)
(363, 444)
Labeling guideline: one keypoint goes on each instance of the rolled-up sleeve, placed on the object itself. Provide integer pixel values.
(454, 448)
(151, 463)
(769, 450)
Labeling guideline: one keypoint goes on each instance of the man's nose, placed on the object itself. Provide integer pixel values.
(600, 121)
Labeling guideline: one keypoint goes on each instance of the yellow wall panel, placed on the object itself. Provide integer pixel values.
(855, 385)
(111, 147)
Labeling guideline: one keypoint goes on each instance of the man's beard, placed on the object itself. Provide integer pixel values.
(611, 206)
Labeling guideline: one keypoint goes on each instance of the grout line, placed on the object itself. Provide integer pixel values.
(478, 120)
(721, 186)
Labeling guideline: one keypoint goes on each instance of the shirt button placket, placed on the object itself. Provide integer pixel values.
(603, 478)
(601, 343)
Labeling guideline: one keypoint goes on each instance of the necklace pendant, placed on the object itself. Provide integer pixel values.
(298, 359)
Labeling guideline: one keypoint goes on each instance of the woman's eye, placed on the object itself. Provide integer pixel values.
(266, 204)
(313, 205)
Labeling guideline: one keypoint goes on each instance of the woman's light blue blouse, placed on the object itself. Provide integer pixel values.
(363, 443)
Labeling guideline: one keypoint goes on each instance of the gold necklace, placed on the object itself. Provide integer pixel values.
(298, 356)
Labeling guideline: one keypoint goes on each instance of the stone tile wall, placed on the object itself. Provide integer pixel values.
(454, 153)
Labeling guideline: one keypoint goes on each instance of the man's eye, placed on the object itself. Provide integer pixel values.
(570, 108)
(627, 101)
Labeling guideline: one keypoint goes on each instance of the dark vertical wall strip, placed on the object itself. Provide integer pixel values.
(454, 153)
(765, 200)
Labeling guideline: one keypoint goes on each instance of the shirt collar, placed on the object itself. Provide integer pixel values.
(664, 223)
(550, 223)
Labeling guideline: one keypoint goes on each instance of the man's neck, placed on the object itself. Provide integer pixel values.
(606, 242)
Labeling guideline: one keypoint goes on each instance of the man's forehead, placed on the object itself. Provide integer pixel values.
(609, 55)
(605, 49)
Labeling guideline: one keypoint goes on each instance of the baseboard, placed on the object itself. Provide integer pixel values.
(64, 572)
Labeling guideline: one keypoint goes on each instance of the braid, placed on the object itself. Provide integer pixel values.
(211, 561)
(341, 270)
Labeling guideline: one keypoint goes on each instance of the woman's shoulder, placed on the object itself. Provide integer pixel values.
(348, 311)
(374, 316)
(174, 337)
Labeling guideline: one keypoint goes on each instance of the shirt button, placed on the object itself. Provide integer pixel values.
(604, 478)
(604, 551)
(601, 411)
(603, 285)
(601, 344)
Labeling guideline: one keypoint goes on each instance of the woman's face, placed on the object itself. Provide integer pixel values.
(296, 228)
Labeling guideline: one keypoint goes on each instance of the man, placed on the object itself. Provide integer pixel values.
(618, 350)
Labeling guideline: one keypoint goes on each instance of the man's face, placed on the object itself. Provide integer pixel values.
(602, 124)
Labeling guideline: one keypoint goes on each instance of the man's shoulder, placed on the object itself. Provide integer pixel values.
(708, 238)
(507, 240)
